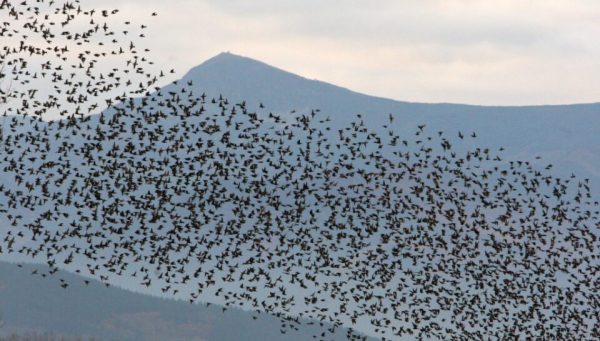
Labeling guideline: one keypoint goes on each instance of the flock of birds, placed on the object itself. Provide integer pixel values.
(399, 236)
(58, 59)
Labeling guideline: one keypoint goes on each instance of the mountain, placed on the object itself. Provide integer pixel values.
(32, 303)
(567, 136)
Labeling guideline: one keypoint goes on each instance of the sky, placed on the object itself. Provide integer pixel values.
(502, 52)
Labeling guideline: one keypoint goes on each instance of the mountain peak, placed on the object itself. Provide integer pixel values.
(225, 57)
(226, 63)
(242, 78)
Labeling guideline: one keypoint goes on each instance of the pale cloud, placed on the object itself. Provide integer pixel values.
(481, 52)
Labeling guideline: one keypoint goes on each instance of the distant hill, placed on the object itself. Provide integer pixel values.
(567, 136)
(32, 303)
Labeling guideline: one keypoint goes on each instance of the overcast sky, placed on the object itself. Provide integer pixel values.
(480, 52)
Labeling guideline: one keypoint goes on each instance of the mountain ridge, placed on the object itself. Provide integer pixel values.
(565, 134)
(232, 61)
(551, 131)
